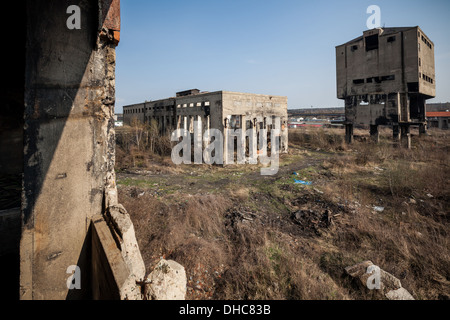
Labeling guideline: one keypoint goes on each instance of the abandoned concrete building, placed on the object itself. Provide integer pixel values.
(220, 110)
(385, 76)
(438, 120)
(63, 234)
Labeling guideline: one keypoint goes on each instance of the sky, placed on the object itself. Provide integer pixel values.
(276, 47)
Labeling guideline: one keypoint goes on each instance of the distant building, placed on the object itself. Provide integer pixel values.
(220, 110)
(385, 76)
(438, 107)
(118, 120)
(438, 120)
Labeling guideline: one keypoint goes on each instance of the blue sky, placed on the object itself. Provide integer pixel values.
(282, 47)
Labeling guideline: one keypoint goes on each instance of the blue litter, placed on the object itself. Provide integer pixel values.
(306, 183)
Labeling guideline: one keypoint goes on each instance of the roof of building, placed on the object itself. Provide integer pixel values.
(438, 114)
(385, 32)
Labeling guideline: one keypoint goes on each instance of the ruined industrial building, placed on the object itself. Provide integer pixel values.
(385, 77)
(221, 110)
(63, 232)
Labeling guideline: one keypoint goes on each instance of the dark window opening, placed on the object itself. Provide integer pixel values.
(391, 39)
(413, 86)
(354, 48)
(372, 42)
(358, 81)
(388, 78)
(369, 80)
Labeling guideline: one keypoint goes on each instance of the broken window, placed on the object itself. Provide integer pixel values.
(388, 78)
(372, 42)
(369, 80)
(413, 86)
(235, 122)
(391, 39)
(358, 81)
(354, 48)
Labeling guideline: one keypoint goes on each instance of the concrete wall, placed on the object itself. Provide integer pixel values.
(69, 142)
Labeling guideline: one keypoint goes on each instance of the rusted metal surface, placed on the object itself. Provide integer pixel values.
(111, 14)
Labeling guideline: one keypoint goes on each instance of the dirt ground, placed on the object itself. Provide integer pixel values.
(241, 235)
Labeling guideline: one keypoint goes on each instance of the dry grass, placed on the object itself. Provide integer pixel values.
(241, 242)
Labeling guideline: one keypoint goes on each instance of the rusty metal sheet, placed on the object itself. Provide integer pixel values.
(111, 14)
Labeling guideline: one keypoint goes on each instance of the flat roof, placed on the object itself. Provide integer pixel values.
(438, 114)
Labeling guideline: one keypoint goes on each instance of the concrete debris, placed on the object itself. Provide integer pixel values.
(318, 191)
(123, 228)
(167, 282)
(378, 209)
(371, 275)
(399, 294)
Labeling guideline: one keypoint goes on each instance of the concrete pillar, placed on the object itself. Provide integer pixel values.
(423, 129)
(241, 152)
(206, 136)
(396, 133)
(405, 136)
(253, 147)
(225, 142)
(349, 133)
(374, 133)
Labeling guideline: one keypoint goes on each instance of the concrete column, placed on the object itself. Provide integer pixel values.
(349, 133)
(206, 135)
(405, 136)
(374, 133)
(242, 152)
(423, 129)
(396, 133)
(253, 147)
(225, 142)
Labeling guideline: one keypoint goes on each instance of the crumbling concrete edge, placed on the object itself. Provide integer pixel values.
(115, 214)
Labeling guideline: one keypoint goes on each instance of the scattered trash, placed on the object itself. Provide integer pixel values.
(306, 183)
(318, 191)
(378, 209)
(429, 195)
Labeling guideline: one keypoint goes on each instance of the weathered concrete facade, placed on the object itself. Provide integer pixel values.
(221, 110)
(61, 145)
(385, 77)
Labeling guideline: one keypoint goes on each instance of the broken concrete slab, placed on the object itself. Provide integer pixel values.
(167, 282)
(399, 294)
(374, 278)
